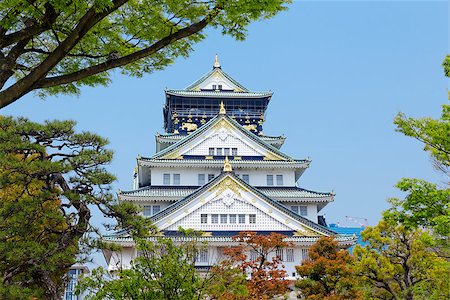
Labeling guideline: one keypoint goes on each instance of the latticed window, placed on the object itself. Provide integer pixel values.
(269, 179)
(176, 179)
(166, 179)
(233, 219)
(290, 254)
(303, 210)
(223, 219)
(219, 151)
(246, 178)
(210, 177)
(215, 218)
(279, 179)
(156, 209)
(147, 210)
(305, 254)
(226, 151)
(279, 253)
(252, 219)
(241, 219)
(253, 255)
(211, 151)
(202, 255)
(234, 151)
(201, 179)
(203, 218)
(294, 208)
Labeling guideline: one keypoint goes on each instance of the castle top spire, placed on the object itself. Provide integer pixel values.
(216, 62)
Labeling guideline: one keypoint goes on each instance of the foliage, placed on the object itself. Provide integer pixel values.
(49, 178)
(264, 270)
(427, 205)
(396, 263)
(327, 273)
(164, 269)
(56, 46)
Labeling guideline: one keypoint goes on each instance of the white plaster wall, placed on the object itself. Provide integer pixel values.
(189, 177)
(121, 259)
(215, 256)
(311, 208)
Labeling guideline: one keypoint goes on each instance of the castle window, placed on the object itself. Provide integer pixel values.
(303, 210)
(269, 179)
(166, 179)
(305, 254)
(253, 255)
(215, 218)
(226, 151)
(234, 151)
(220, 87)
(246, 178)
(156, 209)
(252, 219)
(223, 219)
(210, 177)
(147, 210)
(279, 253)
(279, 179)
(233, 219)
(211, 151)
(202, 255)
(176, 179)
(219, 151)
(290, 255)
(201, 179)
(203, 218)
(214, 87)
(241, 219)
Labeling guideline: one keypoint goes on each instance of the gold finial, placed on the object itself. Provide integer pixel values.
(222, 110)
(227, 166)
(216, 62)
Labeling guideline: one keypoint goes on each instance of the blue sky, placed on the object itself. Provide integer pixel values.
(340, 72)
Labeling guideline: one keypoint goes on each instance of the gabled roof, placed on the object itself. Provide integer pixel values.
(181, 203)
(221, 117)
(215, 71)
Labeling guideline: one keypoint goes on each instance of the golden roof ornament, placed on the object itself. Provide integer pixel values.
(227, 166)
(222, 110)
(216, 62)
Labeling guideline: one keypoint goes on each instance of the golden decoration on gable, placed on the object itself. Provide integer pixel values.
(271, 156)
(307, 232)
(227, 184)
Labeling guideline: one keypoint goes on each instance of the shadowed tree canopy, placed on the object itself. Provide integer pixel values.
(51, 178)
(57, 46)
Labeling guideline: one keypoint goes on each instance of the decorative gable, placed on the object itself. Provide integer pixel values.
(229, 204)
(222, 133)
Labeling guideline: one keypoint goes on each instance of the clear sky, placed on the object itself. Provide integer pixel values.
(340, 72)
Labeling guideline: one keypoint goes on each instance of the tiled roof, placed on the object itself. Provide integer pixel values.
(184, 191)
(345, 239)
(301, 163)
(175, 137)
(215, 69)
(219, 94)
